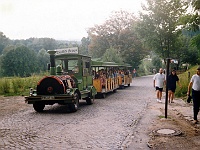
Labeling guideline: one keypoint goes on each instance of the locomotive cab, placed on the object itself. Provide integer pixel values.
(77, 67)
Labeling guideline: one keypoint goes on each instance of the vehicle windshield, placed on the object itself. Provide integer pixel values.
(68, 66)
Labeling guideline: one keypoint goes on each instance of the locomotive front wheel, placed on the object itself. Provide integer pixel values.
(74, 106)
(38, 106)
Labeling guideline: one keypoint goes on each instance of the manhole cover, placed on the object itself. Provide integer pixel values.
(167, 132)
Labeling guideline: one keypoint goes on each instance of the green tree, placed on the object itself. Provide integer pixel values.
(188, 53)
(98, 45)
(156, 62)
(191, 21)
(7, 49)
(37, 44)
(43, 59)
(191, 24)
(112, 55)
(195, 41)
(131, 47)
(159, 25)
(117, 33)
(83, 48)
(108, 34)
(19, 62)
(4, 41)
(196, 5)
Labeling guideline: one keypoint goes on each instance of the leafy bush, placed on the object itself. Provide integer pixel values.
(18, 85)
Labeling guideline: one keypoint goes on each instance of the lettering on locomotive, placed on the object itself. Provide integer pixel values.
(73, 50)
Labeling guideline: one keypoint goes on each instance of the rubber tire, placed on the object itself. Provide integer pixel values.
(90, 100)
(74, 106)
(103, 95)
(38, 106)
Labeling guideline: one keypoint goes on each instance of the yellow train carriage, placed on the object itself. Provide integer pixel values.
(105, 77)
(125, 76)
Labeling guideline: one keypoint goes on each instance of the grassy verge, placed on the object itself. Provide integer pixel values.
(184, 80)
(13, 86)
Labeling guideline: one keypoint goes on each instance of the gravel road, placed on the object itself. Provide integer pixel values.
(108, 124)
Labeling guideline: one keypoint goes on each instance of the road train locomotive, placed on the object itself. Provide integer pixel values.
(74, 77)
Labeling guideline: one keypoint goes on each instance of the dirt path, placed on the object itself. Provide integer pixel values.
(188, 139)
(10, 105)
(179, 118)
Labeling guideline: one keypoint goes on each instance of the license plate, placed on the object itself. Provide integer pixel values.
(47, 97)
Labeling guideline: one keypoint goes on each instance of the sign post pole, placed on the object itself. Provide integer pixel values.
(166, 96)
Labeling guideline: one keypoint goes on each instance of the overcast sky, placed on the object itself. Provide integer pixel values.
(58, 19)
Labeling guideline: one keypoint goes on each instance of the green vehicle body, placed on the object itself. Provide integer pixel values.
(70, 80)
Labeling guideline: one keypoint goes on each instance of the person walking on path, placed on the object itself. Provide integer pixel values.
(134, 73)
(195, 85)
(158, 83)
(172, 80)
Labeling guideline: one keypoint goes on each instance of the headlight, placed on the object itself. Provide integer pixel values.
(68, 91)
(31, 91)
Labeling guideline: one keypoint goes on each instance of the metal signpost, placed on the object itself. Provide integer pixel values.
(166, 96)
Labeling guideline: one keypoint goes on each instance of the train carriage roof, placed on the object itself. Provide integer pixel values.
(99, 63)
(103, 64)
(125, 65)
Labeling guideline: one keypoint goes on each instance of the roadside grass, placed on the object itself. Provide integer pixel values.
(13, 86)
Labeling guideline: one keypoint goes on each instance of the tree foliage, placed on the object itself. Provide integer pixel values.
(29, 51)
(111, 55)
(159, 25)
(191, 21)
(37, 43)
(83, 48)
(117, 33)
(196, 5)
(43, 59)
(19, 62)
(191, 24)
(4, 41)
(195, 41)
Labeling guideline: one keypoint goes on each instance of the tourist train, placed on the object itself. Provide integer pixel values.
(75, 77)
